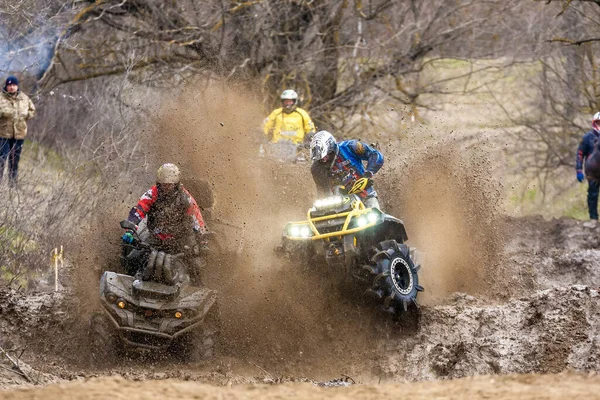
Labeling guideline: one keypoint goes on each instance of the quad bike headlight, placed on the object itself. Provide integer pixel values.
(365, 219)
(121, 304)
(178, 314)
(372, 217)
(111, 297)
(300, 231)
(361, 221)
(305, 231)
(329, 202)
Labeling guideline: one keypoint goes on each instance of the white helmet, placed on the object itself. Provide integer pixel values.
(596, 121)
(289, 95)
(322, 144)
(168, 173)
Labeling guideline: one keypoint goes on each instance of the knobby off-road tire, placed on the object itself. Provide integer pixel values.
(105, 348)
(201, 345)
(395, 278)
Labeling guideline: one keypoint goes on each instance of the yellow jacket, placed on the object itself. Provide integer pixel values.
(14, 112)
(293, 126)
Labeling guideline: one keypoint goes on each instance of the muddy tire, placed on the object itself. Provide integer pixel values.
(105, 349)
(201, 345)
(395, 278)
(197, 267)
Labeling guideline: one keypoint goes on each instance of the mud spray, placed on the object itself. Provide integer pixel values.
(451, 204)
(276, 318)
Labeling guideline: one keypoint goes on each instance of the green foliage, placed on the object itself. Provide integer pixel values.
(562, 198)
(16, 241)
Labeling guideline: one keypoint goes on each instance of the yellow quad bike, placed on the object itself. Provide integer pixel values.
(363, 246)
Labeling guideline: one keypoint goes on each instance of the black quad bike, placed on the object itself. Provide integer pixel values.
(157, 309)
(362, 247)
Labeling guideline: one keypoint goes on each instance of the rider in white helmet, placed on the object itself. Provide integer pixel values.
(343, 164)
(170, 214)
(289, 122)
(585, 149)
(168, 207)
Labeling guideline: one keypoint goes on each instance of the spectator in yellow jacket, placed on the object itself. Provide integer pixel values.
(289, 122)
(15, 109)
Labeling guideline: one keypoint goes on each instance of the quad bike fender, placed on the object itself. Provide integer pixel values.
(193, 301)
(393, 227)
(167, 338)
(296, 248)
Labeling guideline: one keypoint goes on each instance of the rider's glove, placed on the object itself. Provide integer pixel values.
(580, 176)
(128, 237)
(369, 176)
(203, 246)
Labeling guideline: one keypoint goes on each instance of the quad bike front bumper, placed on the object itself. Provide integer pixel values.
(150, 339)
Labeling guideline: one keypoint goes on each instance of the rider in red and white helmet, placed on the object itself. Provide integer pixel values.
(168, 217)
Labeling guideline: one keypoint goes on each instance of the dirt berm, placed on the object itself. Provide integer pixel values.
(550, 331)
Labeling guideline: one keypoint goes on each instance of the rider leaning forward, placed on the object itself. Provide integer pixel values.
(170, 214)
(342, 164)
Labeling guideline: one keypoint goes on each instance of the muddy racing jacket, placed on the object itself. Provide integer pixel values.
(293, 126)
(168, 219)
(348, 167)
(586, 147)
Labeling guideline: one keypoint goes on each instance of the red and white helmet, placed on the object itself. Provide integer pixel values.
(596, 122)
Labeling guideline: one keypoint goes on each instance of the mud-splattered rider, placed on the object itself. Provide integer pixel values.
(342, 164)
(171, 215)
(585, 149)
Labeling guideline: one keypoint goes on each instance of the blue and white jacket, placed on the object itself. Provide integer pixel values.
(347, 167)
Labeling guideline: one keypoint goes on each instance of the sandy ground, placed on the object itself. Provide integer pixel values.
(523, 387)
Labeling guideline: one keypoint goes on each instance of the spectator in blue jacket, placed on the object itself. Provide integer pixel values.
(343, 163)
(586, 147)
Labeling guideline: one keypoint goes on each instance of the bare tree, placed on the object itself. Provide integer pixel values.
(342, 56)
(565, 92)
